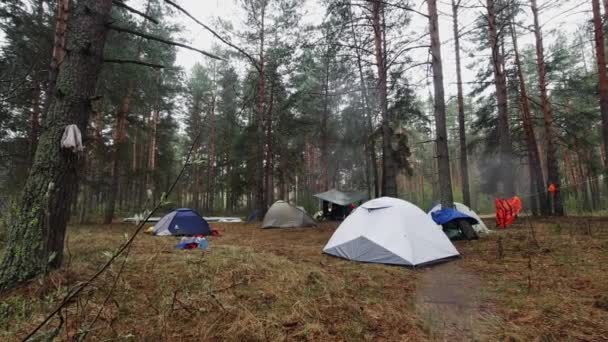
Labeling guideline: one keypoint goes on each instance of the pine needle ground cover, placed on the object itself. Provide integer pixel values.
(543, 279)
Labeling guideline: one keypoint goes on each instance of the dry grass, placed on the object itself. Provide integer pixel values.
(259, 285)
(551, 283)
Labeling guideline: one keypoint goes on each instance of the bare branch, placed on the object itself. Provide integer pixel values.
(133, 10)
(158, 39)
(128, 61)
(243, 52)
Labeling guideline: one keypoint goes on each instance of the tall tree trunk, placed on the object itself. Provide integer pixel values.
(260, 202)
(600, 54)
(195, 119)
(371, 143)
(58, 55)
(119, 141)
(505, 154)
(97, 159)
(553, 175)
(605, 13)
(120, 137)
(196, 192)
(536, 171)
(464, 163)
(268, 180)
(85, 190)
(324, 136)
(132, 179)
(389, 165)
(39, 218)
(443, 158)
(35, 116)
(134, 149)
(212, 148)
(153, 122)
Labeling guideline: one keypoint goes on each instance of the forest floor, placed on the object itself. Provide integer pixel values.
(542, 279)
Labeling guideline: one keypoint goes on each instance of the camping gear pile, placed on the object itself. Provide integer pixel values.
(193, 242)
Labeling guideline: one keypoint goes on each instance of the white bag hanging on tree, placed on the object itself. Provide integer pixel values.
(72, 139)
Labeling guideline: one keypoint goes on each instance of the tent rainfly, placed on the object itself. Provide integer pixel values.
(390, 231)
(284, 215)
(182, 222)
(339, 201)
(480, 227)
(342, 198)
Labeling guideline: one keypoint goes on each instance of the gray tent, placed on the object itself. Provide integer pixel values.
(284, 215)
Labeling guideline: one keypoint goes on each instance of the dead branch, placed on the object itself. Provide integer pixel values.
(133, 10)
(129, 61)
(165, 41)
(243, 52)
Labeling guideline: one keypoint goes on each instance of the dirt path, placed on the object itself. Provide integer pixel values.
(448, 302)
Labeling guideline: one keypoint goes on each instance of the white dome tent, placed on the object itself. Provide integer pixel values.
(480, 228)
(390, 231)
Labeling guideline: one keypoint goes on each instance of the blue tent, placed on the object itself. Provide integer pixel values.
(445, 215)
(182, 222)
(449, 219)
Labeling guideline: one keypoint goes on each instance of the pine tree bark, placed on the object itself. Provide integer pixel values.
(441, 132)
(212, 151)
(323, 134)
(371, 145)
(39, 218)
(600, 54)
(269, 167)
(153, 123)
(536, 171)
(58, 55)
(195, 121)
(389, 165)
(35, 116)
(151, 167)
(553, 175)
(464, 162)
(506, 175)
(120, 134)
(117, 151)
(260, 202)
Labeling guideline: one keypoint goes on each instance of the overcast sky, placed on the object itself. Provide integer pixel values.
(568, 16)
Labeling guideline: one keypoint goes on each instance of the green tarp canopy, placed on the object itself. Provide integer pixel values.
(342, 198)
